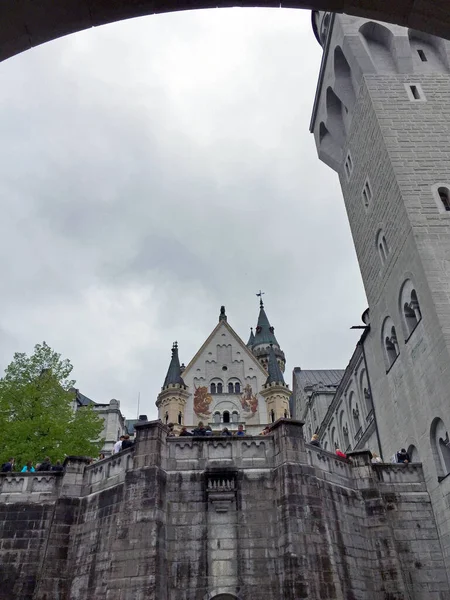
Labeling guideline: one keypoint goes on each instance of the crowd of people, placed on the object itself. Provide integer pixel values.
(46, 465)
(399, 457)
(205, 430)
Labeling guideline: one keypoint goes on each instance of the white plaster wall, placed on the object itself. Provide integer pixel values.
(224, 350)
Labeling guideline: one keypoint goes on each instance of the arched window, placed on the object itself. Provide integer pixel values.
(237, 388)
(325, 446)
(390, 343)
(216, 417)
(356, 419)
(378, 40)
(409, 308)
(213, 388)
(346, 437)
(334, 439)
(344, 87)
(166, 418)
(219, 388)
(180, 418)
(230, 388)
(365, 395)
(440, 445)
(286, 414)
(272, 416)
(444, 195)
(344, 430)
(226, 416)
(413, 454)
(382, 247)
(235, 416)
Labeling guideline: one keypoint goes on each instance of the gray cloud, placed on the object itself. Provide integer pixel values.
(155, 169)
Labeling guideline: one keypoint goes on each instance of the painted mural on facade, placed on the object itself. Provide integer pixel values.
(249, 402)
(202, 400)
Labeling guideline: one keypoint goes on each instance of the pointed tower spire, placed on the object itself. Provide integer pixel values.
(264, 337)
(275, 374)
(174, 372)
(174, 393)
(251, 339)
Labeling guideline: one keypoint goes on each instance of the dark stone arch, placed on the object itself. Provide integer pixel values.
(29, 23)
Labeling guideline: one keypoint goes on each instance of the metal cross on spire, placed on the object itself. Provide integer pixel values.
(260, 295)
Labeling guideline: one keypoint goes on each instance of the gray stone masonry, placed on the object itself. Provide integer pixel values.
(250, 518)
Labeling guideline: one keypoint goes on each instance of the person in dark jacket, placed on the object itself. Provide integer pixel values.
(226, 432)
(58, 466)
(403, 457)
(315, 440)
(46, 465)
(8, 466)
(199, 430)
(185, 432)
(127, 443)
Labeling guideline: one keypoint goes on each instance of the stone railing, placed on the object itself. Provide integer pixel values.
(107, 472)
(201, 453)
(29, 487)
(400, 474)
(329, 462)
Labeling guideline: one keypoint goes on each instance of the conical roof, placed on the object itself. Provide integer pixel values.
(174, 373)
(251, 339)
(264, 331)
(275, 373)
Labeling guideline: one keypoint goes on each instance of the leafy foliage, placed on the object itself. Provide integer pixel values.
(37, 411)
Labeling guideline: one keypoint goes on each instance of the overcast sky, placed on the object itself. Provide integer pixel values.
(155, 169)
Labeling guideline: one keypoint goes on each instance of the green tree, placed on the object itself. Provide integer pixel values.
(37, 411)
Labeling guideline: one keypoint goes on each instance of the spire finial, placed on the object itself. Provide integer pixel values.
(260, 295)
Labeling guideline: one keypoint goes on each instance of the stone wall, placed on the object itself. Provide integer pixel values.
(194, 518)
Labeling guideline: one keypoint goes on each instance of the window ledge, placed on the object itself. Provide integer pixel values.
(442, 477)
(392, 364)
(415, 327)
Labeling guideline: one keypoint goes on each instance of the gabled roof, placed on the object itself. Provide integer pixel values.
(174, 372)
(81, 399)
(275, 373)
(264, 331)
(227, 326)
(327, 378)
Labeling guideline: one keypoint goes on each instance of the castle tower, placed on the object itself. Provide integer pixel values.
(381, 120)
(275, 391)
(171, 400)
(261, 341)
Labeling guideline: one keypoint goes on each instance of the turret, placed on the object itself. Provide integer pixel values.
(171, 400)
(275, 391)
(263, 338)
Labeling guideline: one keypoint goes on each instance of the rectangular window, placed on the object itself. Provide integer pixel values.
(422, 56)
(348, 166)
(415, 92)
(367, 194)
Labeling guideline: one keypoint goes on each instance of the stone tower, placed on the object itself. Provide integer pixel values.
(275, 391)
(381, 120)
(171, 400)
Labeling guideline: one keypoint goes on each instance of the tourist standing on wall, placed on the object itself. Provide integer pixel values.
(315, 440)
(8, 466)
(118, 445)
(28, 468)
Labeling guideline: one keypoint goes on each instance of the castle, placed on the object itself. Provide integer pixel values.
(228, 382)
(271, 517)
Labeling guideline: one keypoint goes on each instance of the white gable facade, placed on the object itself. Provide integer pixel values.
(224, 380)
